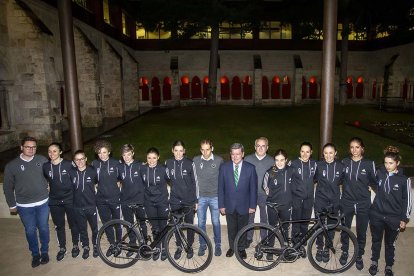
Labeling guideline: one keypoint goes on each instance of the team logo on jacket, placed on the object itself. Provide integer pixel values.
(201, 165)
(379, 183)
(50, 174)
(363, 171)
(275, 181)
(158, 178)
(172, 172)
(144, 176)
(111, 170)
(347, 170)
(64, 172)
(299, 171)
(88, 179)
(213, 165)
(324, 173)
(395, 188)
(337, 174)
(38, 164)
(74, 180)
(22, 168)
(135, 174)
(184, 172)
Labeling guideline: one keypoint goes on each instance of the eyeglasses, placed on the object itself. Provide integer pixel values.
(261, 146)
(80, 159)
(29, 147)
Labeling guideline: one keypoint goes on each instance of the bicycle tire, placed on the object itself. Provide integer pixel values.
(184, 261)
(331, 263)
(118, 258)
(260, 255)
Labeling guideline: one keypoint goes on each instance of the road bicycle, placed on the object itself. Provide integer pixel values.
(182, 242)
(331, 247)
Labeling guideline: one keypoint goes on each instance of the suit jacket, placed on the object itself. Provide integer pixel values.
(239, 198)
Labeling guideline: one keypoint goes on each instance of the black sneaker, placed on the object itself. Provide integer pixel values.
(61, 254)
(117, 251)
(95, 253)
(110, 250)
(36, 261)
(163, 255)
(318, 256)
(344, 258)
(85, 253)
(388, 271)
(190, 253)
(177, 253)
(129, 254)
(44, 258)
(325, 256)
(75, 251)
(359, 263)
(373, 269)
(156, 255)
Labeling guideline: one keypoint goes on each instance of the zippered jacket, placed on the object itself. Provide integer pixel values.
(155, 182)
(132, 187)
(84, 182)
(60, 184)
(303, 183)
(108, 191)
(279, 183)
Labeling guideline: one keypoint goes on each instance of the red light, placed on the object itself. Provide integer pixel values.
(312, 80)
(144, 80)
(360, 80)
(205, 80)
(246, 79)
(276, 79)
(349, 80)
(185, 80)
(224, 80)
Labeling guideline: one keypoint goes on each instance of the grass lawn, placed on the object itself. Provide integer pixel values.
(286, 127)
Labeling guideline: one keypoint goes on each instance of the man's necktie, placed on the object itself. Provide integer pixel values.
(236, 175)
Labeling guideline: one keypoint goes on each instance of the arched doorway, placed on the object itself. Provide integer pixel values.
(185, 88)
(166, 89)
(155, 92)
(205, 87)
(313, 88)
(359, 91)
(275, 88)
(235, 88)
(144, 89)
(349, 87)
(247, 88)
(225, 88)
(265, 88)
(196, 88)
(286, 88)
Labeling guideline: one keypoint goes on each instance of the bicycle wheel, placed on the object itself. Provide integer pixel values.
(325, 257)
(184, 248)
(117, 243)
(263, 246)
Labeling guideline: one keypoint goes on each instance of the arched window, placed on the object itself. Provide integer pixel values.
(275, 88)
(265, 88)
(166, 89)
(225, 88)
(235, 88)
(155, 92)
(286, 88)
(359, 91)
(144, 88)
(313, 88)
(185, 88)
(247, 88)
(196, 88)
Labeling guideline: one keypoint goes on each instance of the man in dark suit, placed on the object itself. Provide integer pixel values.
(237, 194)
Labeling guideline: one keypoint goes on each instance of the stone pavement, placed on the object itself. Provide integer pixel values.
(15, 259)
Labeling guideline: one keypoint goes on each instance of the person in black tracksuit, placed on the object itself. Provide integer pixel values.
(184, 187)
(84, 180)
(108, 190)
(390, 210)
(132, 191)
(56, 171)
(303, 186)
(277, 184)
(356, 197)
(329, 175)
(155, 178)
